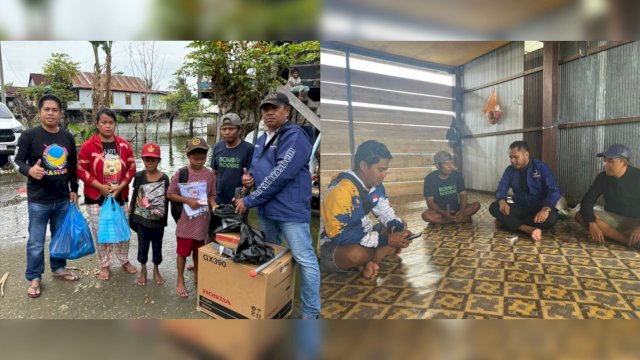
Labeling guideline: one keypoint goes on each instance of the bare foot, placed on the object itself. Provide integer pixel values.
(104, 274)
(142, 279)
(181, 290)
(130, 268)
(157, 277)
(536, 235)
(370, 270)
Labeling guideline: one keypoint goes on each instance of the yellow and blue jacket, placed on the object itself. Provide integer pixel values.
(345, 208)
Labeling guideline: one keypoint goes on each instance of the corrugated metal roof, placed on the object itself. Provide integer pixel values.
(84, 80)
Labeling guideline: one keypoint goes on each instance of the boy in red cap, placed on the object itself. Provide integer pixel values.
(148, 211)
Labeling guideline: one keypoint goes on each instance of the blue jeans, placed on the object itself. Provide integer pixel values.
(39, 216)
(298, 238)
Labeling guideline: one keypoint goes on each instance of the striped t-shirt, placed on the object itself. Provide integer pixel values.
(197, 227)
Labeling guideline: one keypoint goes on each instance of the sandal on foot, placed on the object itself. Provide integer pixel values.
(65, 275)
(37, 291)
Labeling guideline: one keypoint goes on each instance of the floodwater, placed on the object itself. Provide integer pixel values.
(91, 298)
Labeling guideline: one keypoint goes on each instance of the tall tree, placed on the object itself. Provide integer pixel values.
(107, 46)
(147, 64)
(59, 71)
(242, 72)
(96, 86)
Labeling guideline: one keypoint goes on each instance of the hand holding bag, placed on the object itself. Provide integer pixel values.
(113, 226)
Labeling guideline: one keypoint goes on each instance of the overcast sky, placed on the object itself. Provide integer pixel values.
(19, 58)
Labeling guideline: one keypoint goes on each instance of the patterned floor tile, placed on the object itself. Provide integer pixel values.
(335, 309)
(560, 310)
(351, 293)
(401, 312)
(611, 263)
(382, 295)
(490, 274)
(461, 286)
(521, 290)
(522, 308)
(595, 311)
(474, 271)
(607, 299)
(551, 292)
(367, 311)
(415, 298)
(596, 284)
(448, 301)
(485, 304)
(461, 273)
(487, 287)
(557, 269)
(339, 278)
(588, 272)
(442, 314)
(465, 262)
(627, 287)
(620, 274)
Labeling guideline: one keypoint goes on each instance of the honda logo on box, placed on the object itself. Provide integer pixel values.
(216, 297)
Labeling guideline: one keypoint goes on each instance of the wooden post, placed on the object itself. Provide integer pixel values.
(550, 105)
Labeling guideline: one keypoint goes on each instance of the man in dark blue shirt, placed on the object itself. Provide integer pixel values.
(535, 194)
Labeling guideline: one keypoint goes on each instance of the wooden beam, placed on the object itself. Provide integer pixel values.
(550, 93)
(301, 107)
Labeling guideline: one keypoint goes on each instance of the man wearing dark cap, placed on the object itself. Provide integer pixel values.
(535, 194)
(620, 185)
(231, 159)
(282, 193)
(446, 195)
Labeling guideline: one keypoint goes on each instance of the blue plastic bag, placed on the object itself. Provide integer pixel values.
(113, 226)
(73, 239)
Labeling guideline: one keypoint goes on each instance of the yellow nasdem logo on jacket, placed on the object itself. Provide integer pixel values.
(55, 158)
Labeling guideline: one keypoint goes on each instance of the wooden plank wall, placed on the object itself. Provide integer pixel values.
(413, 137)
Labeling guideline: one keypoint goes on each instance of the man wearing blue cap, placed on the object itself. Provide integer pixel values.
(620, 185)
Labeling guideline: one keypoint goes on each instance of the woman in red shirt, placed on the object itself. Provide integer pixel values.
(106, 165)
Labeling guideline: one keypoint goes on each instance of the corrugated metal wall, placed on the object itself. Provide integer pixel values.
(485, 158)
(413, 137)
(598, 87)
(605, 85)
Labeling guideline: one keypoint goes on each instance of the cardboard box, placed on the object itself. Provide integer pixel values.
(229, 240)
(226, 291)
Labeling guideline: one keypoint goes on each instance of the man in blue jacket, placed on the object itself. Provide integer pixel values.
(282, 196)
(535, 194)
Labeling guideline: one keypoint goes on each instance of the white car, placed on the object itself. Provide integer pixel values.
(10, 130)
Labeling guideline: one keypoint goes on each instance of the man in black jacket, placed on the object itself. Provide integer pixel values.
(620, 185)
(47, 156)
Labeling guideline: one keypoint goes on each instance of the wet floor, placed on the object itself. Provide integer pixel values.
(475, 271)
(91, 298)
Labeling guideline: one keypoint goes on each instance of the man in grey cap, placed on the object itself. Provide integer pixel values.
(446, 195)
(620, 185)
